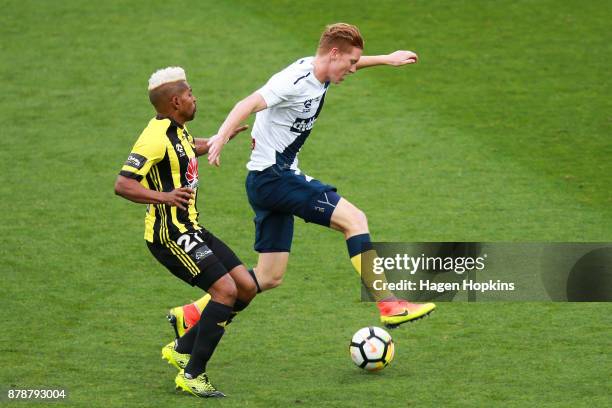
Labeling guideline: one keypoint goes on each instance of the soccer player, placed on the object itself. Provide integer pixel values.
(287, 107)
(162, 172)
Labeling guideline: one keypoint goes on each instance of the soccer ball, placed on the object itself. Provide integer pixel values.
(372, 348)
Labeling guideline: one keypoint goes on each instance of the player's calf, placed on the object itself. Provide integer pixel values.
(183, 318)
(354, 224)
(270, 269)
(209, 330)
(271, 282)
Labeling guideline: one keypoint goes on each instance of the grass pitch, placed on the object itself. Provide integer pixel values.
(500, 133)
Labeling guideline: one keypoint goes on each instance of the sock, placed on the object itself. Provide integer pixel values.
(239, 306)
(185, 343)
(360, 248)
(210, 329)
(252, 273)
(192, 314)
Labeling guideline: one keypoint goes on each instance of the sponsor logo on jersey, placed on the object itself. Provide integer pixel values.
(302, 125)
(180, 150)
(192, 173)
(136, 160)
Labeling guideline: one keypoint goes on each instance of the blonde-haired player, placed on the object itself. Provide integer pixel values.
(162, 172)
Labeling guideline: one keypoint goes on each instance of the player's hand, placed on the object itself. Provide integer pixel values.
(399, 58)
(179, 197)
(215, 145)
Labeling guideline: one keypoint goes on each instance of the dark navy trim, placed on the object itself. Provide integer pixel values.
(286, 158)
(302, 77)
(271, 250)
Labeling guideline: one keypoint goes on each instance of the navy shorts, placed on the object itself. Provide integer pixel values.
(277, 194)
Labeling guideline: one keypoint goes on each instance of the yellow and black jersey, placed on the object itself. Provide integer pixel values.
(164, 159)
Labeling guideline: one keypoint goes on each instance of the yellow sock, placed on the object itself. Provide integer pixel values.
(368, 277)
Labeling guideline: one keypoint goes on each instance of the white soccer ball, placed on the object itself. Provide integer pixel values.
(372, 348)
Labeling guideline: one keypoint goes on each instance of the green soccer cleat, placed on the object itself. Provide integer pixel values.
(199, 386)
(173, 357)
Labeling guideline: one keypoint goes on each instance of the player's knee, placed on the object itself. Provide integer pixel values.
(270, 274)
(230, 290)
(358, 221)
(248, 289)
(224, 290)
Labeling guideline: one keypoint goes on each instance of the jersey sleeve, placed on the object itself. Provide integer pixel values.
(147, 151)
(278, 89)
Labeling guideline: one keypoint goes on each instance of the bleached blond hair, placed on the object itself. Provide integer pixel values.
(166, 75)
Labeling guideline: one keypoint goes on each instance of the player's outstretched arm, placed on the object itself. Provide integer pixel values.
(202, 144)
(132, 190)
(396, 59)
(241, 111)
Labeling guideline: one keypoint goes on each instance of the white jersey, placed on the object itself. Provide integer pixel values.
(294, 98)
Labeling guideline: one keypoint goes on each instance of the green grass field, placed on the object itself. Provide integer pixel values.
(500, 133)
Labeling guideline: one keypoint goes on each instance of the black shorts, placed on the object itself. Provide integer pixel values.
(199, 258)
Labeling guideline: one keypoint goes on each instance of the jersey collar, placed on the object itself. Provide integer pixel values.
(175, 123)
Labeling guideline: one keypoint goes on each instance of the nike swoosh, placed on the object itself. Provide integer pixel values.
(404, 313)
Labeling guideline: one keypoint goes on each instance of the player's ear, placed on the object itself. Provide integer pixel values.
(175, 102)
(334, 53)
